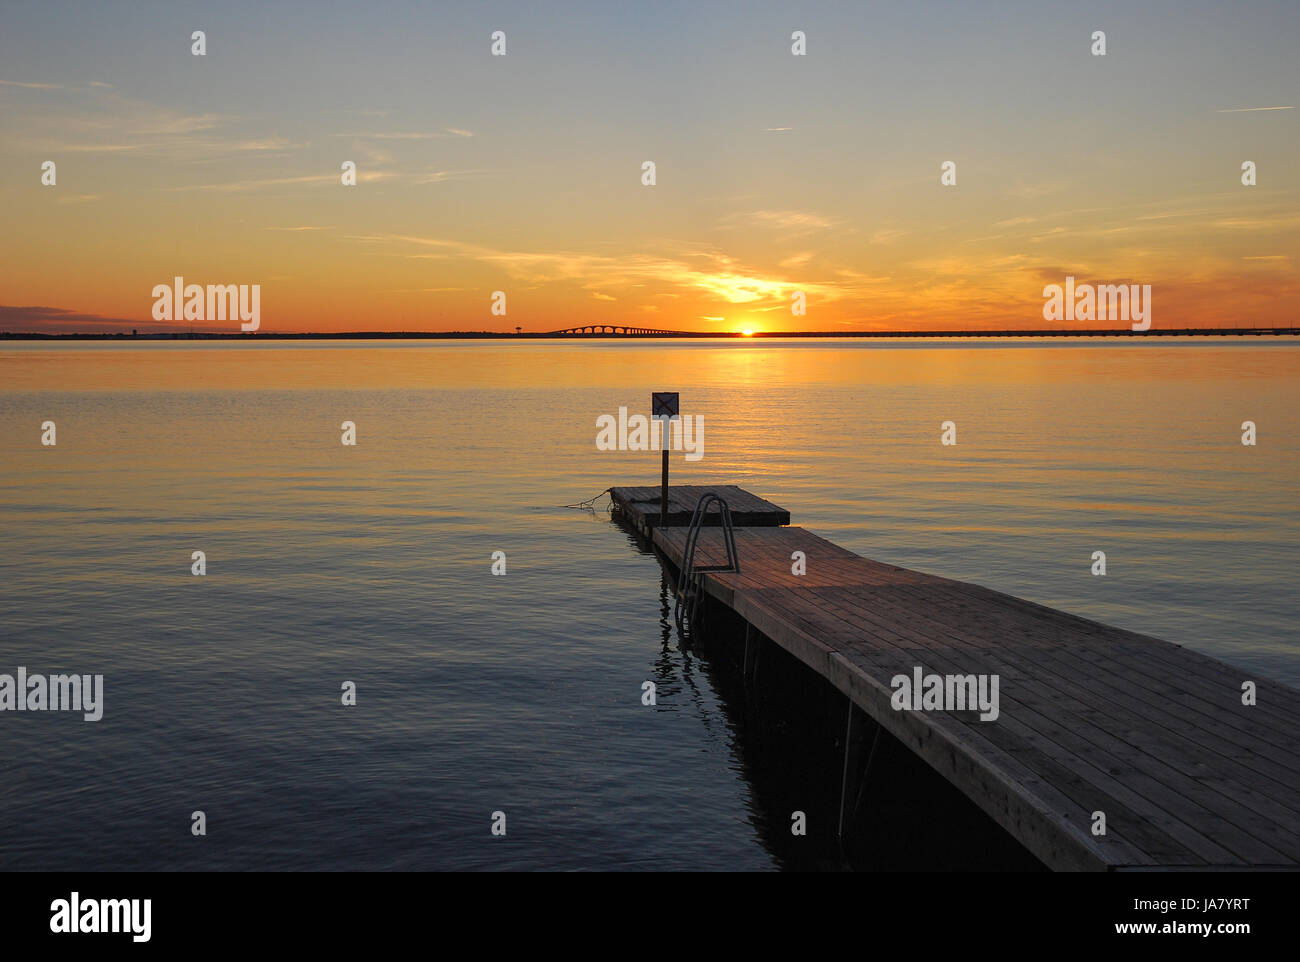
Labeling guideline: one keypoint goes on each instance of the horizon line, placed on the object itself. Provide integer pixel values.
(641, 335)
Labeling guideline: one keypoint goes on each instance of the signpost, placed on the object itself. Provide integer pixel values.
(665, 408)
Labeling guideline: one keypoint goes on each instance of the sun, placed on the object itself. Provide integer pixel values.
(748, 332)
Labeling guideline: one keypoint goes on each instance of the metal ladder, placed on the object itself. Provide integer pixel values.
(690, 580)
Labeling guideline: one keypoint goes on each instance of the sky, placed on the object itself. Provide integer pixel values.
(522, 173)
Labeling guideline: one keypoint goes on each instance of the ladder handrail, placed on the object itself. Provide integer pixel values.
(689, 583)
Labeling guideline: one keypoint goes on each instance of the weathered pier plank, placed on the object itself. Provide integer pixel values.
(1091, 718)
(640, 505)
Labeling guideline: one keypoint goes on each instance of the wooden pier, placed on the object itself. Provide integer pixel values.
(1092, 719)
(640, 506)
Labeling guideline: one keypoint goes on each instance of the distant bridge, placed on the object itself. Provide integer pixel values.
(599, 329)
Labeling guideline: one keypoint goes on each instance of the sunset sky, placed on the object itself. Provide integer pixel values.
(522, 173)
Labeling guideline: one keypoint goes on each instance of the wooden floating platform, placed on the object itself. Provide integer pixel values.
(1091, 718)
(640, 506)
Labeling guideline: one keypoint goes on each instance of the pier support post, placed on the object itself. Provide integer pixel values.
(853, 786)
(663, 492)
(851, 753)
(752, 642)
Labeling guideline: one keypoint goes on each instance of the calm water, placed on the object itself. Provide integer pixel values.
(522, 693)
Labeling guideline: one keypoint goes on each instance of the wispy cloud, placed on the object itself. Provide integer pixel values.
(50, 320)
(441, 176)
(239, 186)
(177, 144)
(32, 85)
(887, 235)
(410, 134)
(712, 272)
(1034, 191)
(785, 225)
(1264, 220)
(795, 219)
(92, 118)
(1247, 110)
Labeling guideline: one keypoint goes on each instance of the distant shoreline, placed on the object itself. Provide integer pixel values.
(661, 335)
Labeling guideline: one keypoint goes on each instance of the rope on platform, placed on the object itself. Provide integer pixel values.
(590, 503)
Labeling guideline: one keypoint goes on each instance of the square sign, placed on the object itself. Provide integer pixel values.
(664, 404)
